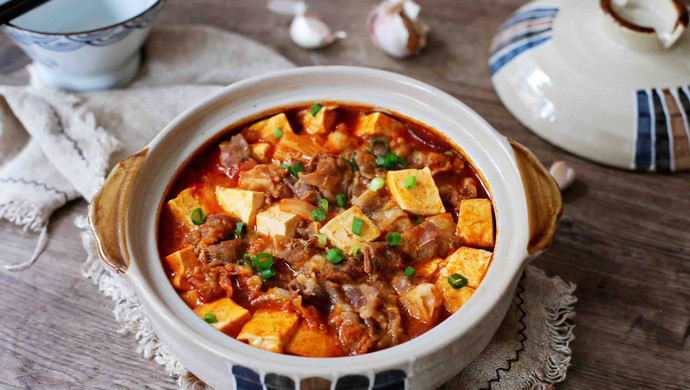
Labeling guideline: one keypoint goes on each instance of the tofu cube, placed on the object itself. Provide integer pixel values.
(339, 229)
(179, 262)
(339, 141)
(428, 269)
(301, 147)
(423, 199)
(259, 151)
(183, 205)
(269, 329)
(263, 130)
(314, 342)
(191, 298)
(379, 123)
(230, 317)
(274, 221)
(322, 123)
(475, 223)
(469, 262)
(240, 204)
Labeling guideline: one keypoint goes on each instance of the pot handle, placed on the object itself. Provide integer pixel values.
(108, 211)
(544, 203)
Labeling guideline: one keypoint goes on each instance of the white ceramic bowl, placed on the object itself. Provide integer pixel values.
(124, 217)
(85, 45)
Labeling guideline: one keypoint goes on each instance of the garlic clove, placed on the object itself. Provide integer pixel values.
(310, 32)
(395, 28)
(563, 174)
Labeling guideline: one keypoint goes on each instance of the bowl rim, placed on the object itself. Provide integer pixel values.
(389, 357)
(108, 27)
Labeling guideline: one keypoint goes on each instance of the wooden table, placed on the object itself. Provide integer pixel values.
(624, 237)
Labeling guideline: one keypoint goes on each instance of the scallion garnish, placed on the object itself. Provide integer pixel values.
(342, 200)
(376, 184)
(295, 169)
(198, 216)
(278, 133)
(457, 281)
(410, 182)
(323, 239)
(356, 251)
(323, 203)
(315, 109)
(390, 161)
(351, 162)
(335, 256)
(449, 153)
(318, 215)
(374, 141)
(247, 259)
(357, 226)
(393, 238)
(240, 227)
(261, 263)
(268, 273)
(210, 318)
(409, 272)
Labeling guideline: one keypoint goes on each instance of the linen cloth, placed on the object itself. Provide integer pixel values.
(55, 147)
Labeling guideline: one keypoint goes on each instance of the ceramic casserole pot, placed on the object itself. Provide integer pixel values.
(124, 217)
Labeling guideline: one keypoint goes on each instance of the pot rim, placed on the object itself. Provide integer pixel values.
(488, 297)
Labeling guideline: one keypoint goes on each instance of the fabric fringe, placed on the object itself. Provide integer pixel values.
(559, 318)
(40, 247)
(26, 215)
(130, 314)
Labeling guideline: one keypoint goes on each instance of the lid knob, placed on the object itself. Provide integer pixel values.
(645, 24)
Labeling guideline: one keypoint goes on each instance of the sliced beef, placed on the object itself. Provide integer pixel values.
(364, 298)
(295, 251)
(380, 258)
(226, 252)
(437, 162)
(216, 228)
(329, 173)
(354, 336)
(211, 283)
(383, 211)
(366, 163)
(435, 237)
(266, 178)
(452, 193)
(234, 151)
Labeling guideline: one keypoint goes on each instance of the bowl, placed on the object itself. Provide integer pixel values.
(124, 217)
(85, 45)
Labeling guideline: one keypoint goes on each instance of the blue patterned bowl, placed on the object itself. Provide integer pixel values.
(84, 46)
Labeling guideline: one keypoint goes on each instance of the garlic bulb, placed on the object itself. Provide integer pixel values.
(306, 31)
(563, 174)
(395, 28)
(310, 32)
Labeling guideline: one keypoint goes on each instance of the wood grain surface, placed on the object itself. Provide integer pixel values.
(624, 237)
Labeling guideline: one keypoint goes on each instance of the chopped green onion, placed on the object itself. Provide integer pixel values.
(323, 203)
(393, 238)
(389, 162)
(342, 200)
(357, 226)
(380, 161)
(318, 215)
(351, 162)
(268, 273)
(335, 256)
(375, 140)
(240, 227)
(449, 153)
(264, 265)
(409, 272)
(410, 182)
(198, 216)
(248, 259)
(315, 109)
(457, 281)
(376, 184)
(277, 133)
(210, 318)
(356, 251)
(323, 239)
(295, 169)
(418, 220)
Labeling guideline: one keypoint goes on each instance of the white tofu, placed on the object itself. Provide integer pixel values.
(339, 141)
(263, 130)
(378, 123)
(230, 317)
(269, 329)
(475, 223)
(321, 123)
(424, 199)
(312, 342)
(179, 262)
(183, 205)
(472, 264)
(259, 151)
(241, 204)
(339, 229)
(274, 221)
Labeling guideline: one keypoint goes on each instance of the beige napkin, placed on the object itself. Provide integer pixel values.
(62, 145)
